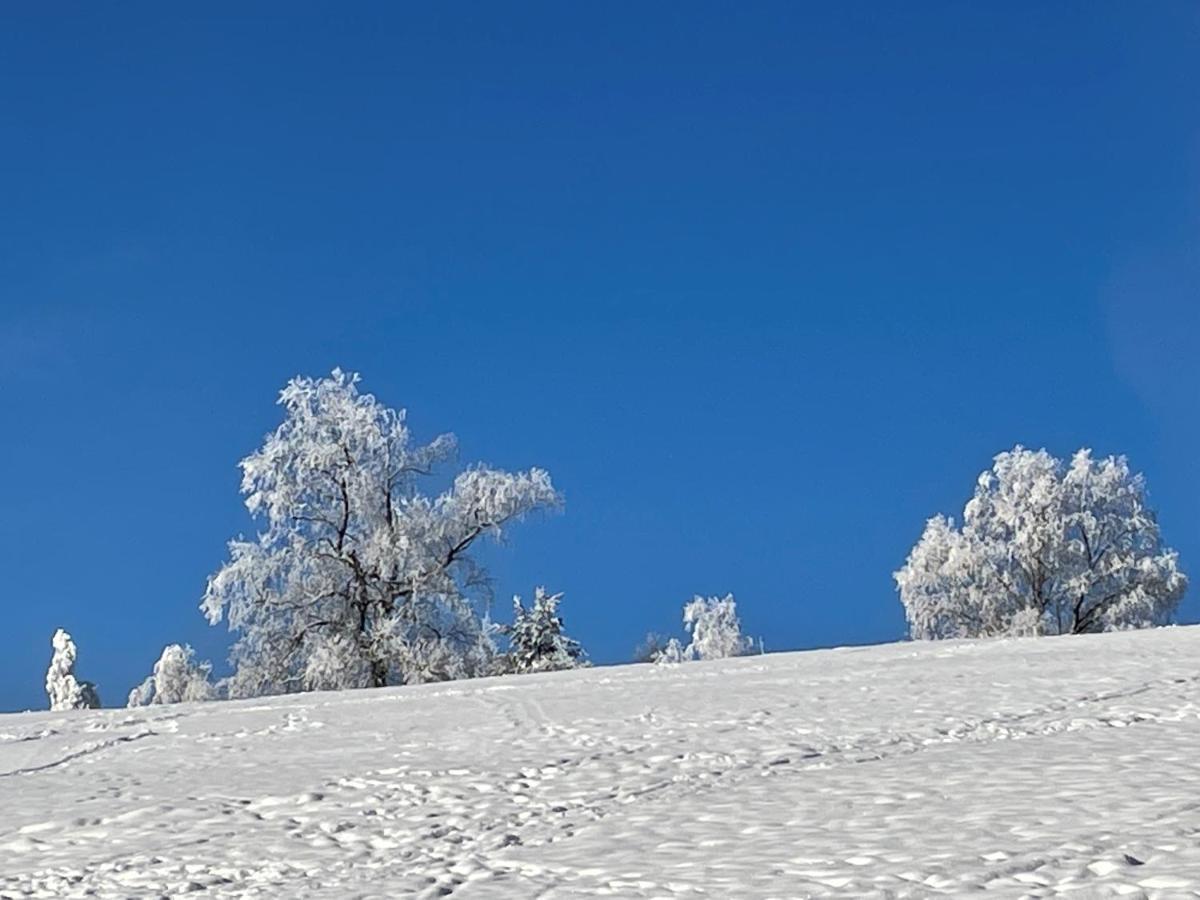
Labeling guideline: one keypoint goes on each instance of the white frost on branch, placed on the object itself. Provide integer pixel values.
(358, 578)
(62, 687)
(1045, 548)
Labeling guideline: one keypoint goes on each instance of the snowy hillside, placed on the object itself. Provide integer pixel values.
(1027, 767)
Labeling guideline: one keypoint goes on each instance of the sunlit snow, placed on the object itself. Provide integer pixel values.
(1026, 767)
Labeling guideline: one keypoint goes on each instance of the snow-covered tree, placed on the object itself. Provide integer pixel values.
(64, 690)
(537, 642)
(359, 579)
(714, 627)
(177, 678)
(650, 648)
(673, 652)
(1044, 548)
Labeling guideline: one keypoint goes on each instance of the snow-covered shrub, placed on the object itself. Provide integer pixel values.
(143, 694)
(1044, 548)
(177, 678)
(715, 631)
(650, 648)
(359, 579)
(714, 627)
(64, 690)
(537, 642)
(673, 652)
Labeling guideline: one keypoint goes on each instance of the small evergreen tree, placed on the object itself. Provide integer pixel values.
(536, 639)
(63, 688)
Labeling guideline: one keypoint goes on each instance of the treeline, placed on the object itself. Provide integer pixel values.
(359, 577)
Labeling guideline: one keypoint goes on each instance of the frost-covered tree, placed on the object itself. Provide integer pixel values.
(143, 694)
(177, 678)
(714, 629)
(1044, 548)
(358, 578)
(64, 690)
(650, 648)
(716, 632)
(537, 642)
(673, 652)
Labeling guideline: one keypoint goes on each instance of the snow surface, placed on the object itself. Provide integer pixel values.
(1026, 767)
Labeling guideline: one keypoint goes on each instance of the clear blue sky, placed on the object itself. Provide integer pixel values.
(763, 285)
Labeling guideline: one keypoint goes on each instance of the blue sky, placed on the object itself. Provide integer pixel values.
(764, 286)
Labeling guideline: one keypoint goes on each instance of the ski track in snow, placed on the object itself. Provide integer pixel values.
(1023, 768)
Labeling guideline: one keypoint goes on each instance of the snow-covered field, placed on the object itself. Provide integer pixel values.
(1023, 767)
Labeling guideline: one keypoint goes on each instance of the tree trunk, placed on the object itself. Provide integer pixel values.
(379, 672)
